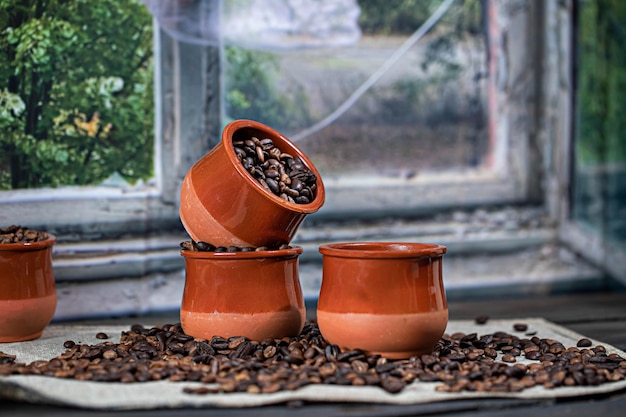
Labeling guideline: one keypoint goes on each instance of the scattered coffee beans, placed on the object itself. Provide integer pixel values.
(459, 362)
(520, 327)
(207, 247)
(5, 358)
(20, 234)
(278, 172)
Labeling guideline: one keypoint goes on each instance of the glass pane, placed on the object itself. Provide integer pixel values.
(426, 112)
(76, 93)
(599, 197)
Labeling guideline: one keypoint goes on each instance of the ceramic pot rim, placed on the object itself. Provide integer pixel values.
(26, 246)
(382, 250)
(291, 252)
(227, 138)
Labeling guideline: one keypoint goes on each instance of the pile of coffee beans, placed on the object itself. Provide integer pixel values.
(460, 362)
(20, 234)
(278, 172)
(191, 245)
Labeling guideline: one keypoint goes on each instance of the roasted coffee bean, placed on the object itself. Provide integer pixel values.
(481, 319)
(68, 344)
(269, 351)
(6, 359)
(331, 352)
(102, 335)
(520, 327)
(392, 384)
(273, 185)
(204, 246)
(508, 358)
(385, 367)
(350, 355)
(533, 355)
(187, 245)
(584, 343)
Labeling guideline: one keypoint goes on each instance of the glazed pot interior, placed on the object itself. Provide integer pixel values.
(382, 250)
(241, 130)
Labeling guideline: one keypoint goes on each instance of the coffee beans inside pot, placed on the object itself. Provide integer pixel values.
(278, 172)
(191, 245)
(459, 362)
(20, 234)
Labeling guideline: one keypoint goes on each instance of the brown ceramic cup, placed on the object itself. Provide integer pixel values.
(383, 298)
(253, 294)
(28, 295)
(222, 204)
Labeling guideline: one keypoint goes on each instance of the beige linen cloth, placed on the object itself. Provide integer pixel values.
(165, 394)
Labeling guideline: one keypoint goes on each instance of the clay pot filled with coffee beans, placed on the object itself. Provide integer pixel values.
(28, 295)
(383, 297)
(253, 189)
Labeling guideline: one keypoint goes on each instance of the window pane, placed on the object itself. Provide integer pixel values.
(427, 112)
(76, 93)
(599, 197)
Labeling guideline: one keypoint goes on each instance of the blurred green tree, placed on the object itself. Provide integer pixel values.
(601, 82)
(76, 92)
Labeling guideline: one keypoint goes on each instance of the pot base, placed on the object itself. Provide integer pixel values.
(256, 326)
(25, 319)
(13, 339)
(395, 336)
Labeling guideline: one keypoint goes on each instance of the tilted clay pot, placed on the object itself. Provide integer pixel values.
(254, 294)
(28, 295)
(222, 204)
(385, 298)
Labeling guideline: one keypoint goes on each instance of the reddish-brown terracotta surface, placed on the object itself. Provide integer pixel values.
(27, 289)
(383, 297)
(222, 204)
(252, 294)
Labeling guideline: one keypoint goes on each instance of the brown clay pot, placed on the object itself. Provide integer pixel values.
(28, 295)
(252, 294)
(222, 204)
(384, 298)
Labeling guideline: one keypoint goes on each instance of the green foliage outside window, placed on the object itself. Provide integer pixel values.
(251, 91)
(599, 186)
(76, 92)
(601, 93)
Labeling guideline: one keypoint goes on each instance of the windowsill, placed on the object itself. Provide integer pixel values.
(542, 270)
(424, 193)
(490, 254)
(78, 193)
(87, 213)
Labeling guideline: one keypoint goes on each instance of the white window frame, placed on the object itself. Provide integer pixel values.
(592, 246)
